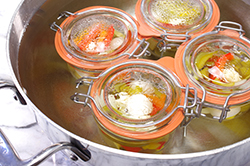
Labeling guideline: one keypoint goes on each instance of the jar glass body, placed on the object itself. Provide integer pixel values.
(122, 126)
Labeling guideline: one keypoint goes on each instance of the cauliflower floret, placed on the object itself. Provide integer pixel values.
(231, 75)
(139, 106)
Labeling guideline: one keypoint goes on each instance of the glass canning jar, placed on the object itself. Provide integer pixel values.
(219, 61)
(137, 104)
(167, 23)
(93, 38)
(157, 17)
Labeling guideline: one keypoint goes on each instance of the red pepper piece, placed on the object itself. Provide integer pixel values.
(110, 34)
(223, 59)
(155, 111)
(94, 32)
(220, 64)
(158, 103)
(131, 149)
(161, 145)
(211, 76)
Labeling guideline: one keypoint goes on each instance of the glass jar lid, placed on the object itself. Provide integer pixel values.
(96, 34)
(220, 62)
(138, 97)
(179, 16)
(175, 15)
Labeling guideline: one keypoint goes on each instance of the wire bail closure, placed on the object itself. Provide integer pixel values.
(169, 40)
(54, 26)
(238, 27)
(228, 25)
(222, 26)
(191, 106)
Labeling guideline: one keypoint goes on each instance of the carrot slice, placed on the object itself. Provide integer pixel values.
(110, 34)
(158, 103)
(102, 36)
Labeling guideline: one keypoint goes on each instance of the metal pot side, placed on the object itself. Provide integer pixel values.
(30, 28)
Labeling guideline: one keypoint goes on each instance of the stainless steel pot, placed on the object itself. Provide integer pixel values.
(45, 83)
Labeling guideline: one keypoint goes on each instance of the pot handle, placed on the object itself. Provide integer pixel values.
(9, 156)
(10, 85)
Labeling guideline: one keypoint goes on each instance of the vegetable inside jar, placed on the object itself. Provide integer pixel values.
(178, 13)
(125, 94)
(98, 38)
(223, 67)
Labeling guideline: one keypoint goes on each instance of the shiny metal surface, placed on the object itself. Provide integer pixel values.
(43, 79)
(9, 157)
(4, 83)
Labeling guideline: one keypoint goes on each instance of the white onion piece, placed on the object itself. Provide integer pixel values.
(121, 103)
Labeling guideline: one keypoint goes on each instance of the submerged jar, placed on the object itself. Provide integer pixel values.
(137, 105)
(157, 17)
(93, 38)
(167, 23)
(219, 61)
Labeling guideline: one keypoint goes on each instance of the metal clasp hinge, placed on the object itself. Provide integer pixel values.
(168, 41)
(76, 97)
(237, 27)
(54, 26)
(192, 104)
(143, 45)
